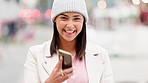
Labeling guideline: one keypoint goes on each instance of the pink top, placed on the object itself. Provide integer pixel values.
(80, 72)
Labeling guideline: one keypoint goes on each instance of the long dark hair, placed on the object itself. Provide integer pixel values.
(80, 42)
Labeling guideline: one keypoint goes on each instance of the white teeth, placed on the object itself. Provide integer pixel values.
(69, 31)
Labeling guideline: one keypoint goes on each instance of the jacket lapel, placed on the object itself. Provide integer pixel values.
(95, 64)
(49, 63)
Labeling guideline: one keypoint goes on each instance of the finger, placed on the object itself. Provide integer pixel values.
(65, 77)
(69, 75)
(60, 63)
(68, 71)
(58, 66)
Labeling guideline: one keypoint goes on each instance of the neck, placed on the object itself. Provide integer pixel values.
(68, 46)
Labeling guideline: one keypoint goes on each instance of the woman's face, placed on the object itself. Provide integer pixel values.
(69, 25)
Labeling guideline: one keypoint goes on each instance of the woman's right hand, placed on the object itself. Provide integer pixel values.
(58, 75)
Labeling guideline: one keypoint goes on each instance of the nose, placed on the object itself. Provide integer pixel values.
(70, 24)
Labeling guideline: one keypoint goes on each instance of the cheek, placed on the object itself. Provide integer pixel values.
(79, 27)
(60, 25)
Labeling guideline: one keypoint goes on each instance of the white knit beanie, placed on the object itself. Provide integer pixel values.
(61, 6)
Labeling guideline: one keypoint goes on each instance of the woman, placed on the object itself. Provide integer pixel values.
(90, 63)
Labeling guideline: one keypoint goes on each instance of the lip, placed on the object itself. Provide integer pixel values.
(69, 32)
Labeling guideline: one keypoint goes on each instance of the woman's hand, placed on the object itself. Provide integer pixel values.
(58, 75)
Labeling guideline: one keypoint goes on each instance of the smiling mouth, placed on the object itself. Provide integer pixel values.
(70, 31)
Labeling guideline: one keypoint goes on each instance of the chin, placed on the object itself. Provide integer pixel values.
(69, 39)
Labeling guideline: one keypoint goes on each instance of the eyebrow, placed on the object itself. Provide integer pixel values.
(63, 14)
(77, 16)
(67, 15)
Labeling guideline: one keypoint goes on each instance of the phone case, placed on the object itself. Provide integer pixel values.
(67, 60)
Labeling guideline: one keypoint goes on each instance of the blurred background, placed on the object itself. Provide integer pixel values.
(120, 26)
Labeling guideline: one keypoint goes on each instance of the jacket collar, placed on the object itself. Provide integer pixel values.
(47, 49)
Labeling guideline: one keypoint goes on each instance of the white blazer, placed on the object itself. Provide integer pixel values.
(38, 65)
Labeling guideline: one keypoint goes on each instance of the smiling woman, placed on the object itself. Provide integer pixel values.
(90, 63)
(69, 25)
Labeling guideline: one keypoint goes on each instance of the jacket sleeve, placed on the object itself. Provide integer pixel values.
(107, 76)
(30, 69)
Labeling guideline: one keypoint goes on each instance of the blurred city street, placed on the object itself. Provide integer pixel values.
(13, 55)
(120, 26)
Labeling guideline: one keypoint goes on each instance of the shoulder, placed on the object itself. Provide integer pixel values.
(94, 48)
(40, 48)
(97, 50)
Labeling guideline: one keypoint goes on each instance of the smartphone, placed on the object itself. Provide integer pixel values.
(67, 59)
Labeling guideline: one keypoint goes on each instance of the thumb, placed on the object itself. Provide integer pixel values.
(59, 64)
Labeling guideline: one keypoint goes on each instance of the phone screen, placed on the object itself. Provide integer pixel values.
(67, 60)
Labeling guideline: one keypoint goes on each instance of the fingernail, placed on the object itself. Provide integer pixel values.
(74, 67)
(73, 71)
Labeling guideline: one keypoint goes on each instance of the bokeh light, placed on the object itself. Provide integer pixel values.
(102, 4)
(29, 15)
(136, 2)
(48, 13)
(36, 13)
(145, 1)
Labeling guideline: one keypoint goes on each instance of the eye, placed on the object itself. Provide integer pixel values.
(77, 19)
(63, 18)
